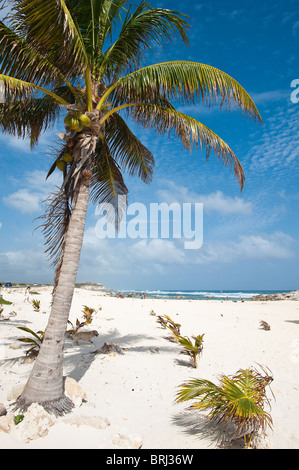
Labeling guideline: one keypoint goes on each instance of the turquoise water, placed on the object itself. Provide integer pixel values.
(203, 294)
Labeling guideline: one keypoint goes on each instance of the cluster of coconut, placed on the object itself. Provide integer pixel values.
(75, 123)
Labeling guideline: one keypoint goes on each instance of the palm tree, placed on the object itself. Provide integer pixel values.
(83, 59)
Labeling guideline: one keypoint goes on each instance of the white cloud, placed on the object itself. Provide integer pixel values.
(277, 146)
(27, 265)
(159, 255)
(270, 96)
(157, 251)
(126, 257)
(28, 199)
(256, 247)
(24, 201)
(216, 201)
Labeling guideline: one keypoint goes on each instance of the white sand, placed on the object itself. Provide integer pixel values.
(136, 391)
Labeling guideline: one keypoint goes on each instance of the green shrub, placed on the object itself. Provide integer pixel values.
(36, 341)
(237, 401)
(36, 305)
(192, 350)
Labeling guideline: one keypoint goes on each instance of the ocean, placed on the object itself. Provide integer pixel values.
(201, 294)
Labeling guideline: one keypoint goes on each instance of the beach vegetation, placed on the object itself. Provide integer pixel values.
(88, 314)
(87, 319)
(35, 340)
(264, 325)
(74, 328)
(162, 321)
(193, 350)
(175, 328)
(18, 419)
(36, 305)
(71, 59)
(5, 302)
(237, 403)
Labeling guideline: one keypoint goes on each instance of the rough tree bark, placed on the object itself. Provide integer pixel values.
(45, 384)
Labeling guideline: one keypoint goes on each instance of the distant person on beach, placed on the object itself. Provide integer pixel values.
(27, 295)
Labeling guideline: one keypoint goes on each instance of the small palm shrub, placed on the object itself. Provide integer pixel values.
(162, 321)
(193, 350)
(74, 328)
(173, 327)
(35, 341)
(36, 305)
(237, 401)
(87, 317)
(87, 314)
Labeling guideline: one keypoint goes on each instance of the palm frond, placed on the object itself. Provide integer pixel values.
(50, 28)
(127, 149)
(18, 59)
(56, 220)
(196, 388)
(239, 400)
(141, 29)
(107, 183)
(29, 117)
(186, 82)
(15, 89)
(189, 131)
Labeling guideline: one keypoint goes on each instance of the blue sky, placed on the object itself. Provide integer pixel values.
(250, 239)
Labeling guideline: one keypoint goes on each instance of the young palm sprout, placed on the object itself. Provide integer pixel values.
(192, 349)
(237, 401)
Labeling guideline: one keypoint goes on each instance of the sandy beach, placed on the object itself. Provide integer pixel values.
(134, 392)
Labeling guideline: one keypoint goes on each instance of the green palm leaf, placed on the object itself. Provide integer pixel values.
(197, 388)
(15, 89)
(50, 28)
(140, 29)
(127, 149)
(186, 82)
(238, 400)
(107, 182)
(29, 117)
(189, 131)
(19, 59)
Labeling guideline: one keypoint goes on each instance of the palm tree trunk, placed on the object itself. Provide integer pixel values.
(45, 384)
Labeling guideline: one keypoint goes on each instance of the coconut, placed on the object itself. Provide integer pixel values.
(67, 157)
(61, 165)
(84, 120)
(71, 121)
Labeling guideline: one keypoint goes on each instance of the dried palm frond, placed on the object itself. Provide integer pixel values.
(264, 325)
(162, 321)
(56, 220)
